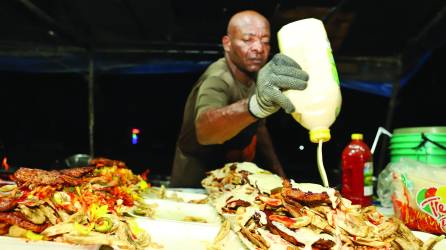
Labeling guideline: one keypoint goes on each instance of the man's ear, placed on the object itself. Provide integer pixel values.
(226, 41)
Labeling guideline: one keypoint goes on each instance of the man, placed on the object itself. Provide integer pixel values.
(223, 117)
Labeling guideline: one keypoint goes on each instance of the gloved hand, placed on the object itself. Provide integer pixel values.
(279, 74)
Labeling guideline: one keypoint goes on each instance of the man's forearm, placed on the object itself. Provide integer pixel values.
(265, 147)
(215, 126)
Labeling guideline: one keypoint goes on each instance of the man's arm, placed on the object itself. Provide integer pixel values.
(217, 125)
(265, 146)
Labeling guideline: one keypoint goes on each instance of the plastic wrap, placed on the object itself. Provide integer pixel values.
(417, 192)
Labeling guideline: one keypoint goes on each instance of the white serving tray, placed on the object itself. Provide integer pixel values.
(172, 235)
(179, 211)
(176, 235)
(11, 243)
(186, 194)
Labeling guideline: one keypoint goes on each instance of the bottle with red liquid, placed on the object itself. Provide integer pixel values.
(357, 172)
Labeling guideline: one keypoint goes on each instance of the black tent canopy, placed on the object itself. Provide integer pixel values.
(119, 32)
(378, 45)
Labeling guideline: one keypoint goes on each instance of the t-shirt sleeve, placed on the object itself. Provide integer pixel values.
(213, 93)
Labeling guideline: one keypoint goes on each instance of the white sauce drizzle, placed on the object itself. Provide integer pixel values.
(265, 182)
(320, 165)
(303, 235)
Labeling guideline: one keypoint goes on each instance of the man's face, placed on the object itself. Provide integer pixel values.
(249, 46)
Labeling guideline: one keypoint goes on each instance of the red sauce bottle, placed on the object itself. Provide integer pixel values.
(357, 172)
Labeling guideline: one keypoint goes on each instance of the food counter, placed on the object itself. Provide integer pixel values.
(242, 206)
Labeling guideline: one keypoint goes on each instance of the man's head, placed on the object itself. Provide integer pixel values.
(247, 41)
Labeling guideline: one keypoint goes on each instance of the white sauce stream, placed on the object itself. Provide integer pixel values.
(320, 165)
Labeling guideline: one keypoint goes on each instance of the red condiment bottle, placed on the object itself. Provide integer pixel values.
(357, 172)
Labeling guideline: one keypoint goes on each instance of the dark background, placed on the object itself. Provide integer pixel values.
(44, 115)
(44, 119)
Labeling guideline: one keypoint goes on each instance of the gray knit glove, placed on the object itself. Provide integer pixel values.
(279, 74)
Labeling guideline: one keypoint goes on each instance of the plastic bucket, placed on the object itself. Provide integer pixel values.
(424, 144)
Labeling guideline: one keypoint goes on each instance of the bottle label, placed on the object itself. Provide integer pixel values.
(368, 179)
(334, 72)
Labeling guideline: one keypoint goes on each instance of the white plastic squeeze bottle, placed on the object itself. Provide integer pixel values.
(318, 105)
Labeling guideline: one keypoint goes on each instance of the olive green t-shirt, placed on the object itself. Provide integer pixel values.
(215, 88)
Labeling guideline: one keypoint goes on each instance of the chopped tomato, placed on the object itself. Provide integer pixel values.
(25, 194)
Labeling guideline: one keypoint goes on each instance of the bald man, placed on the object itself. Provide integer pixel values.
(224, 115)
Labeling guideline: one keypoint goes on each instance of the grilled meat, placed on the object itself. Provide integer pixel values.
(4, 228)
(101, 161)
(7, 204)
(17, 218)
(322, 244)
(77, 172)
(273, 229)
(306, 197)
(38, 177)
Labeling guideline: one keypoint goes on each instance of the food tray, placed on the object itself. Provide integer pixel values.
(11, 243)
(180, 211)
(186, 194)
(176, 235)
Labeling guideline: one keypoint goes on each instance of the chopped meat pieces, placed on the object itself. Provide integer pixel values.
(37, 177)
(16, 218)
(7, 204)
(77, 172)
